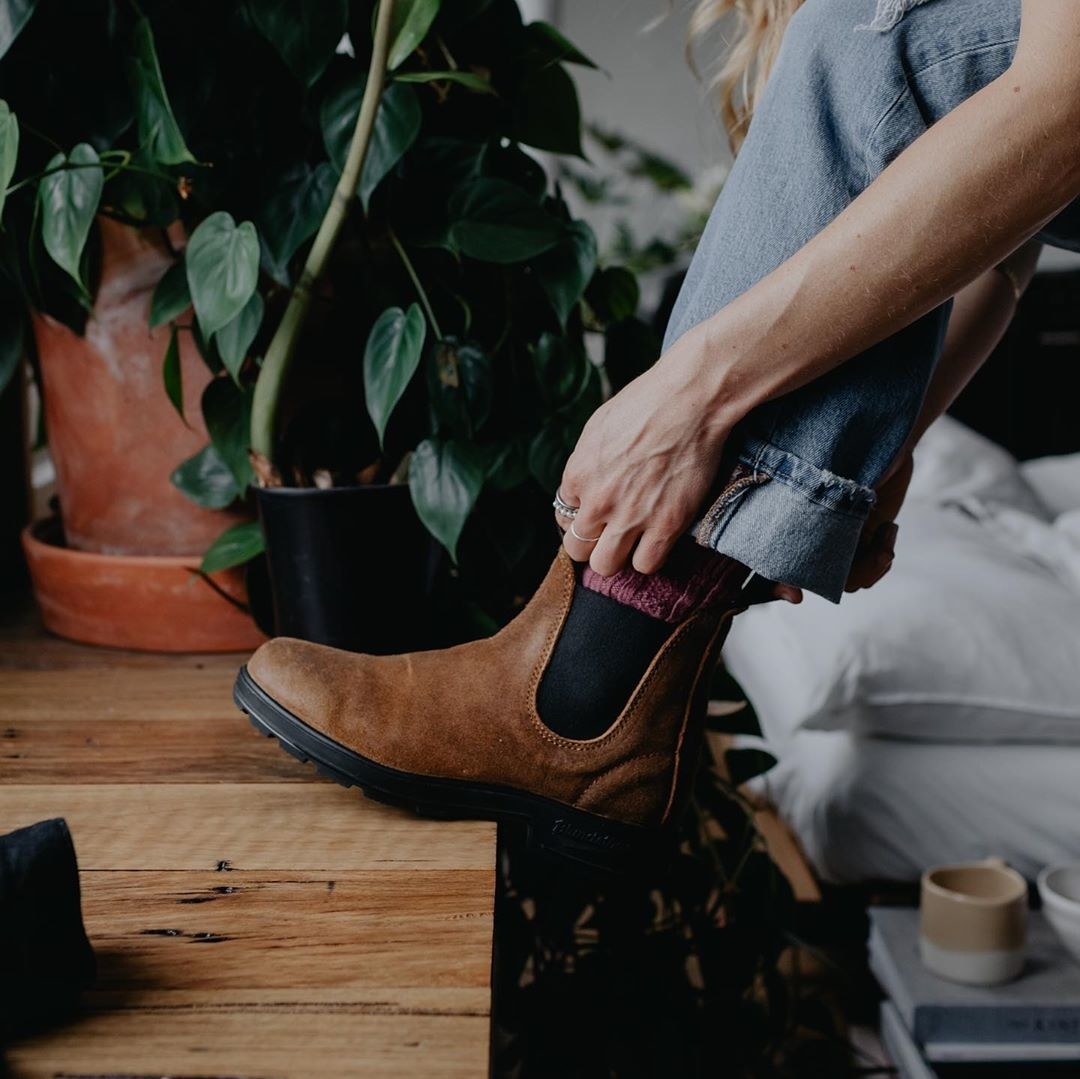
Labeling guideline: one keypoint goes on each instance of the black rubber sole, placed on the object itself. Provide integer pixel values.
(591, 842)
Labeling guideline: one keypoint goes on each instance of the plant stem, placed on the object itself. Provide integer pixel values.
(423, 296)
(282, 348)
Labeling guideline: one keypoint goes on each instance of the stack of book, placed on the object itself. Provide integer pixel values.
(934, 1028)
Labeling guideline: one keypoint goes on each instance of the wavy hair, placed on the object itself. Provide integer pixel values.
(751, 48)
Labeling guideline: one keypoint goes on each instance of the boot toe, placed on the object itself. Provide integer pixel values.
(296, 674)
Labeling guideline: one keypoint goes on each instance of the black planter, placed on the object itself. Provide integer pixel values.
(350, 567)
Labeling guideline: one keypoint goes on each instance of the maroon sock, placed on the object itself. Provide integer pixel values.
(693, 577)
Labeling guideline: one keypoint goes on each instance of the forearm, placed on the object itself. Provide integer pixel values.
(964, 195)
(980, 316)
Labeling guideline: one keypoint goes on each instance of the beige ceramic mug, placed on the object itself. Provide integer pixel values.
(973, 922)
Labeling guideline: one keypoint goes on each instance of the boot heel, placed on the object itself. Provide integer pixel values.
(598, 844)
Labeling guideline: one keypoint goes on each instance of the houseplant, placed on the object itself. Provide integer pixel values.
(80, 257)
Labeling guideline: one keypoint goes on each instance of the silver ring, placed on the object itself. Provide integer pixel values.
(564, 509)
(584, 539)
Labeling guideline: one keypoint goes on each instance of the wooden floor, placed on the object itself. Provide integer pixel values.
(250, 919)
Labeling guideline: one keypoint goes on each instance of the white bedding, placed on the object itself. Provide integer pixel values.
(869, 808)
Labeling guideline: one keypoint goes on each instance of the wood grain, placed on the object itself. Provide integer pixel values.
(250, 918)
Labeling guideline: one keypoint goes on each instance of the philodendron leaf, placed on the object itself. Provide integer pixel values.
(14, 15)
(560, 369)
(172, 374)
(222, 261)
(293, 213)
(159, 135)
(547, 114)
(391, 357)
(565, 270)
(397, 123)
(409, 24)
(227, 412)
(234, 338)
(9, 147)
(496, 221)
(548, 46)
(206, 479)
(445, 479)
(171, 297)
(467, 79)
(234, 547)
(69, 198)
(304, 35)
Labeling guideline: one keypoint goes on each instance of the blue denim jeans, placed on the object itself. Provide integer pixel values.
(842, 101)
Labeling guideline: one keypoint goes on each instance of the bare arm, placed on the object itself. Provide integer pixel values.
(970, 190)
(1000, 166)
(980, 316)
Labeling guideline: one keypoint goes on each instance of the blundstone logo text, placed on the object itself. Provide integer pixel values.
(582, 835)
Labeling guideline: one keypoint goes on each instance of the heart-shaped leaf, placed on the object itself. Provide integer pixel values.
(304, 35)
(222, 261)
(445, 479)
(206, 479)
(565, 270)
(546, 112)
(397, 123)
(159, 135)
(69, 199)
(613, 294)
(226, 410)
(496, 221)
(293, 214)
(560, 369)
(14, 15)
(391, 357)
(234, 547)
(9, 145)
(172, 375)
(409, 24)
(171, 296)
(234, 338)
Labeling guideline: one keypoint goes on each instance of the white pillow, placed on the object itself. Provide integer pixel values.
(1056, 480)
(966, 639)
(954, 463)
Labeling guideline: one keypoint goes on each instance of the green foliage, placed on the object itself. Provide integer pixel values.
(222, 262)
(448, 339)
(390, 361)
(233, 547)
(69, 196)
(9, 149)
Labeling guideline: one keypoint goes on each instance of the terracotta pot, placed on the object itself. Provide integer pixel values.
(154, 604)
(113, 435)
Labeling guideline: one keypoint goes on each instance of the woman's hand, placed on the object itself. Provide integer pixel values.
(644, 464)
(874, 555)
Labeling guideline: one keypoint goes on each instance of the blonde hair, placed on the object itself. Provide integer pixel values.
(749, 55)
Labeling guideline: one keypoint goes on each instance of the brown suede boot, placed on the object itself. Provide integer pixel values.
(455, 732)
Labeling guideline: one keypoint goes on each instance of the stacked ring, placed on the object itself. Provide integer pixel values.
(564, 509)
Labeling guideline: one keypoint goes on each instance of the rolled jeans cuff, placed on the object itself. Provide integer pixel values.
(787, 519)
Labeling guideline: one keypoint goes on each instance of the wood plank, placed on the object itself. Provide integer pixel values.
(260, 826)
(171, 694)
(83, 750)
(204, 931)
(249, 1044)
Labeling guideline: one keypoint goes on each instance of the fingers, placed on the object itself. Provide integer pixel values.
(874, 559)
(581, 537)
(652, 550)
(612, 552)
